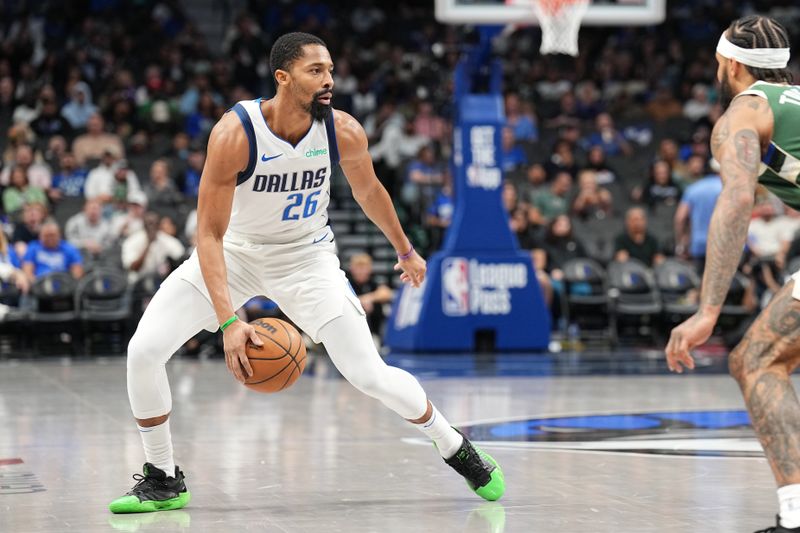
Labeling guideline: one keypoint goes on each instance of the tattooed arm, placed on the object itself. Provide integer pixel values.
(736, 144)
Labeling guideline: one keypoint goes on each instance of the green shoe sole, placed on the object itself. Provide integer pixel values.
(131, 504)
(496, 487)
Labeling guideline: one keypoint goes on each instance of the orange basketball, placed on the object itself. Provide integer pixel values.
(280, 361)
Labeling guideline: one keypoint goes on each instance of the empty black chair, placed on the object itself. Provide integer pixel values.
(53, 298)
(585, 300)
(679, 285)
(104, 302)
(598, 235)
(13, 320)
(9, 293)
(53, 312)
(635, 297)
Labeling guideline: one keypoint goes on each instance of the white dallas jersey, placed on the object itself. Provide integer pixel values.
(283, 194)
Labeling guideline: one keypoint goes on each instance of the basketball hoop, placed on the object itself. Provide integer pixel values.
(560, 21)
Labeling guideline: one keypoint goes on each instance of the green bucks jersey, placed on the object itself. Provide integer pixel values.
(780, 165)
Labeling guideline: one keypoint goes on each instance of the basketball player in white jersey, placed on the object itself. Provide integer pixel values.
(262, 229)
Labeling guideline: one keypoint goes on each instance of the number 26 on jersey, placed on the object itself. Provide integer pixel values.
(298, 207)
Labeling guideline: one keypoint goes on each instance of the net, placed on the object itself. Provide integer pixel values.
(560, 21)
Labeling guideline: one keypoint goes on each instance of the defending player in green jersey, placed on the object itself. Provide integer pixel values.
(757, 140)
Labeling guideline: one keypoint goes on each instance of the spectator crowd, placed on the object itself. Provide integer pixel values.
(106, 108)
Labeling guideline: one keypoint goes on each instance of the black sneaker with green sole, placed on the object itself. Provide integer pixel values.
(481, 471)
(154, 491)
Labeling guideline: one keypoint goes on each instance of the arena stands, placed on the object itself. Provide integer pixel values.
(114, 102)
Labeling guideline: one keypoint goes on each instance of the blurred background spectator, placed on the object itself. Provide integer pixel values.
(19, 192)
(520, 119)
(635, 242)
(559, 245)
(27, 230)
(162, 195)
(440, 213)
(10, 268)
(693, 218)
(151, 250)
(91, 145)
(88, 230)
(50, 253)
(114, 101)
(553, 201)
(127, 222)
(70, 180)
(592, 201)
(660, 188)
(373, 296)
(36, 172)
(80, 107)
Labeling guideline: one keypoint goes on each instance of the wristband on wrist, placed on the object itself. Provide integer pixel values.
(228, 322)
(403, 257)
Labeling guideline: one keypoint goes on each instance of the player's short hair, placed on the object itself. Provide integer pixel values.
(289, 47)
(758, 31)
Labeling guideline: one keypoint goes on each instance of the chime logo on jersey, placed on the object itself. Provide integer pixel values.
(695, 433)
(316, 152)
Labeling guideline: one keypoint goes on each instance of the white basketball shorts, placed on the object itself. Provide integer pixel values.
(303, 278)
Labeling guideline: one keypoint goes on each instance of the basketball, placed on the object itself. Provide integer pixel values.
(280, 360)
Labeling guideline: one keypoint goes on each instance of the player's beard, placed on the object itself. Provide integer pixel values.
(725, 91)
(319, 111)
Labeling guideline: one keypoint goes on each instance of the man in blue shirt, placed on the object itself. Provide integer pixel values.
(694, 211)
(607, 137)
(70, 181)
(519, 119)
(513, 155)
(440, 214)
(51, 254)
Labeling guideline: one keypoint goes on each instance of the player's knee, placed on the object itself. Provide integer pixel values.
(142, 352)
(368, 380)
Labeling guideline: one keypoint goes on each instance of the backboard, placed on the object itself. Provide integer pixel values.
(600, 12)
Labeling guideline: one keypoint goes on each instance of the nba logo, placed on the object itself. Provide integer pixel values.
(455, 286)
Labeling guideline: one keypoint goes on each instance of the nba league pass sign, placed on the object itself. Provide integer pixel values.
(470, 287)
(480, 285)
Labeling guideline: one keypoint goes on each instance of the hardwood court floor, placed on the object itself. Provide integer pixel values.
(321, 457)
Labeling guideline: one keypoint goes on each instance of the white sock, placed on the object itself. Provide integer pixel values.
(157, 442)
(789, 498)
(447, 439)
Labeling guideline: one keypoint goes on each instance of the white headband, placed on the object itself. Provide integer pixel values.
(754, 57)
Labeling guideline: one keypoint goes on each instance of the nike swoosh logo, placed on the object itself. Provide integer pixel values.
(264, 157)
(320, 239)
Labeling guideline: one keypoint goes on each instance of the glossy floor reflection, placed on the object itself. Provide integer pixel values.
(583, 449)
